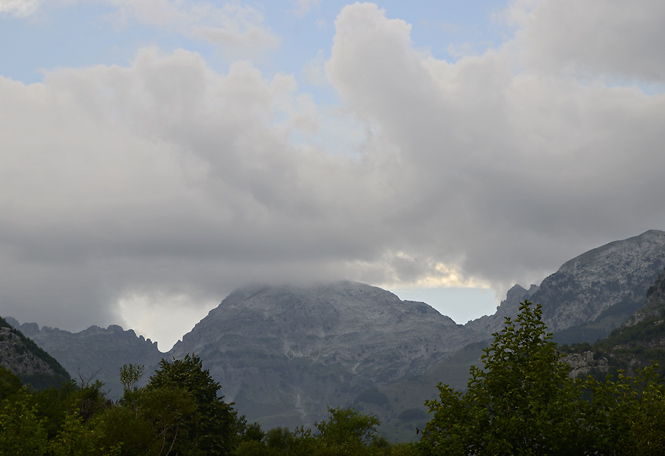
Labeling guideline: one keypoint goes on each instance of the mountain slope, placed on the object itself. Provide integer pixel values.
(95, 353)
(591, 294)
(597, 291)
(641, 340)
(27, 361)
(284, 353)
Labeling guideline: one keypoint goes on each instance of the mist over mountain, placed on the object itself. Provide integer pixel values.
(283, 353)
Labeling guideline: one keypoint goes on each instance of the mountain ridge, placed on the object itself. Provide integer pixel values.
(284, 353)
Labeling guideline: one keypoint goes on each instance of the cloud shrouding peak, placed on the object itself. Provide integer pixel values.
(168, 181)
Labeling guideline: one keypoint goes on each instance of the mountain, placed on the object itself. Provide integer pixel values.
(284, 353)
(95, 353)
(27, 361)
(639, 341)
(489, 324)
(590, 295)
(597, 291)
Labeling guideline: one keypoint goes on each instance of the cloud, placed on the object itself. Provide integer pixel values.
(168, 181)
(235, 27)
(238, 29)
(18, 8)
(595, 37)
(500, 167)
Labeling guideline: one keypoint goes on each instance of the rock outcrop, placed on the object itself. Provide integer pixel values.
(27, 361)
(581, 364)
(616, 274)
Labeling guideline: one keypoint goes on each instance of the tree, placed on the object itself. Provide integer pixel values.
(347, 426)
(209, 428)
(627, 416)
(21, 429)
(130, 375)
(521, 402)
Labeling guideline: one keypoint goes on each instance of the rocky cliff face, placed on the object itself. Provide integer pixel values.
(27, 361)
(287, 352)
(591, 294)
(95, 353)
(489, 324)
(618, 273)
(654, 308)
(640, 341)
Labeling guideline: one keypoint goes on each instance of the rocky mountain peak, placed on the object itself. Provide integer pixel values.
(618, 273)
(295, 349)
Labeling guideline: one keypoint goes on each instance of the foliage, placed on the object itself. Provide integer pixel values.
(521, 402)
(210, 426)
(10, 384)
(130, 374)
(347, 428)
(21, 430)
(77, 439)
(345, 432)
(627, 416)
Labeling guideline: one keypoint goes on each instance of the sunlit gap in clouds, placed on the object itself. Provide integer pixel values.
(449, 292)
(162, 317)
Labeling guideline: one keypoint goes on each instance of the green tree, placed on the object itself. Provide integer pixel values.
(78, 439)
(21, 430)
(10, 384)
(347, 426)
(627, 416)
(130, 375)
(206, 425)
(520, 402)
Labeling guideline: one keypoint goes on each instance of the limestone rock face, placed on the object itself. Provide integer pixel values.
(288, 352)
(619, 273)
(654, 308)
(591, 294)
(582, 363)
(26, 360)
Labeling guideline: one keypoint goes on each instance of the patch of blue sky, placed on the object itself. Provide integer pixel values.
(447, 30)
(460, 304)
(59, 37)
(85, 34)
(82, 35)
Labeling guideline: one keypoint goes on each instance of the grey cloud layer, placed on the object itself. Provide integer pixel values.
(166, 176)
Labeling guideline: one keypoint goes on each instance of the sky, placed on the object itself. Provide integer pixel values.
(157, 154)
